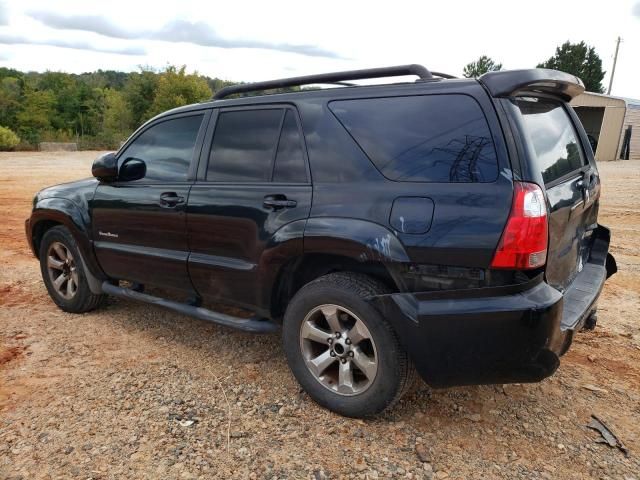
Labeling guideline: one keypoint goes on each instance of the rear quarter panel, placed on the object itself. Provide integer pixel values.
(468, 218)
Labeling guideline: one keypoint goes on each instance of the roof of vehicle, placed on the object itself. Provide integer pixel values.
(498, 84)
(331, 93)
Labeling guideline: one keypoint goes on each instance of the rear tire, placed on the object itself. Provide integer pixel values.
(63, 272)
(360, 372)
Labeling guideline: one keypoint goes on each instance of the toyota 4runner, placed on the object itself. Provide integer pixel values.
(444, 226)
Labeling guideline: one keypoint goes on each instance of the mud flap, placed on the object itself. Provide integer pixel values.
(611, 265)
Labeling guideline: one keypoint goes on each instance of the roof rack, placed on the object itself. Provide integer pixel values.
(332, 78)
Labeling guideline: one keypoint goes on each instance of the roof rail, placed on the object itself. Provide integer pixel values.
(443, 75)
(329, 78)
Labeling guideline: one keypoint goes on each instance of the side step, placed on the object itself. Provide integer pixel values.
(252, 324)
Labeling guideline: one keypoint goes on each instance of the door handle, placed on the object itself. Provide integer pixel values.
(277, 202)
(170, 199)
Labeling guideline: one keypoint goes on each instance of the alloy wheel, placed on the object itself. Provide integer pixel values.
(61, 267)
(338, 349)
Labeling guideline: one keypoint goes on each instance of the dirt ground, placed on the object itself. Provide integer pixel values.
(134, 391)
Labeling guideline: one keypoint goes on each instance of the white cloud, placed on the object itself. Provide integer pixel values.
(197, 33)
(8, 39)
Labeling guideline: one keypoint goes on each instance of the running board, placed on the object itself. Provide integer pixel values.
(253, 324)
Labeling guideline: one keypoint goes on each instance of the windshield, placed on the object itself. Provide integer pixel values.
(548, 129)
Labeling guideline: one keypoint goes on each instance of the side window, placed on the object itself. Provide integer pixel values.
(244, 144)
(166, 148)
(257, 146)
(427, 138)
(289, 166)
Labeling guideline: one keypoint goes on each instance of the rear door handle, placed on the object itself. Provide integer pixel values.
(277, 202)
(170, 199)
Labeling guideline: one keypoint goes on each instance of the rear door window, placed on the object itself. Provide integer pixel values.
(290, 166)
(244, 145)
(427, 138)
(261, 145)
(549, 130)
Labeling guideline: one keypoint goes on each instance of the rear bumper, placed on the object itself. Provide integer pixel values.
(496, 335)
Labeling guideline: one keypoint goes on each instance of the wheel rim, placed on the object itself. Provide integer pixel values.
(62, 270)
(338, 349)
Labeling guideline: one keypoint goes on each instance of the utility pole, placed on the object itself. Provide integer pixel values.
(613, 69)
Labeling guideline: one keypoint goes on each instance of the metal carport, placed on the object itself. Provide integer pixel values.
(614, 122)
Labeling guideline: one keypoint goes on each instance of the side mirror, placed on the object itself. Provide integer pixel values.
(105, 167)
(132, 169)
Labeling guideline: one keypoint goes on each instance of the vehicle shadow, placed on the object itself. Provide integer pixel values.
(215, 343)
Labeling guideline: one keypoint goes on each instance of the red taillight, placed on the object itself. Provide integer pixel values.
(524, 240)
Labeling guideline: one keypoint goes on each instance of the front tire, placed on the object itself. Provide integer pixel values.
(63, 273)
(340, 348)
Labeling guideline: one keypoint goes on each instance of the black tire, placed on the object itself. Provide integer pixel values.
(395, 373)
(83, 300)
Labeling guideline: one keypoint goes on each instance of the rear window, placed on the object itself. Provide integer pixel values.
(549, 130)
(434, 138)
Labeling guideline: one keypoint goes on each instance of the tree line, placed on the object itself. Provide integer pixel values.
(100, 109)
(96, 110)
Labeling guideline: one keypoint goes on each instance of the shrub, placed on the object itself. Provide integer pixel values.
(60, 135)
(8, 139)
(102, 141)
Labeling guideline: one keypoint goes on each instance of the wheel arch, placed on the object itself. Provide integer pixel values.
(38, 230)
(301, 270)
(336, 244)
(51, 212)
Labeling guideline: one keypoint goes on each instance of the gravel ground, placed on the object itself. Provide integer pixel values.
(133, 391)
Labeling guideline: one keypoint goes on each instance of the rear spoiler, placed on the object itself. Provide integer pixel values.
(512, 83)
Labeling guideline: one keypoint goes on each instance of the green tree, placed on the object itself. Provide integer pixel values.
(481, 66)
(216, 84)
(177, 88)
(10, 100)
(580, 60)
(79, 106)
(96, 109)
(9, 72)
(64, 89)
(139, 92)
(35, 115)
(8, 139)
(104, 79)
(118, 118)
(90, 110)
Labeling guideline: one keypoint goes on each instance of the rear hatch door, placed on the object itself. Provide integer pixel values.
(556, 157)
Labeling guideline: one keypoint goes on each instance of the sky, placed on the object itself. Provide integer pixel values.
(259, 40)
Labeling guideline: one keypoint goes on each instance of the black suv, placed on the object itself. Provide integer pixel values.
(445, 225)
